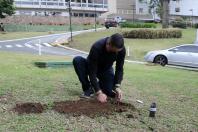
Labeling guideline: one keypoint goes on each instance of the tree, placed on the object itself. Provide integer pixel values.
(6, 8)
(165, 16)
(156, 6)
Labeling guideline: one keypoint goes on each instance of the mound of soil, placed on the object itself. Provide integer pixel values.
(28, 108)
(91, 108)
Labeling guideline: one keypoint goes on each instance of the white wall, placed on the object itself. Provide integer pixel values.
(112, 8)
(185, 7)
(59, 5)
(144, 5)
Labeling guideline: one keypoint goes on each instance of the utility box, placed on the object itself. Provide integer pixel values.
(56, 64)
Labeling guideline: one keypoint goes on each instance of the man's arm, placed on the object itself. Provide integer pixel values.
(93, 68)
(119, 68)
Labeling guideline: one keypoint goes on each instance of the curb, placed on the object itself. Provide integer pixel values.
(65, 47)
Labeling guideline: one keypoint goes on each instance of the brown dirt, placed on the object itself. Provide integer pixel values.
(28, 108)
(91, 108)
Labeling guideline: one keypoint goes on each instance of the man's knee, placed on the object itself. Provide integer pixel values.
(77, 60)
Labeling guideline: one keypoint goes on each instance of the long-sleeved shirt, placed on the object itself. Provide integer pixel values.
(100, 60)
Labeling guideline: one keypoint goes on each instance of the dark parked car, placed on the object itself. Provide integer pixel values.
(110, 23)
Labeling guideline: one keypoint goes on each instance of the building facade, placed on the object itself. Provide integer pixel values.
(80, 8)
(184, 8)
(129, 9)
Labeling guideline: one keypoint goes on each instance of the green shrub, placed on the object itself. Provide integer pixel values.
(137, 25)
(179, 22)
(179, 19)
(196, 25)
(153, 33)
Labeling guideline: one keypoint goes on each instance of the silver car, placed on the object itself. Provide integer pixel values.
(183, 55)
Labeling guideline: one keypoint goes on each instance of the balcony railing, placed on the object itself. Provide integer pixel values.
(59, 5)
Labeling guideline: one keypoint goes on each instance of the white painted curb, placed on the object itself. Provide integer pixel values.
(80, 51)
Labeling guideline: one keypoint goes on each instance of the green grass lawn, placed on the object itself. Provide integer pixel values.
(45, 28)
(23, 31)
(175, 92)
(138, 47)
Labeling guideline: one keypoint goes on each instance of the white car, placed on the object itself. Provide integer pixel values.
(183, 55)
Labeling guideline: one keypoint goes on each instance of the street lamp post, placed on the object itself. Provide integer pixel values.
(134, 9)
(192, 16)
(70, 22)
(95, 14)
(95, 17)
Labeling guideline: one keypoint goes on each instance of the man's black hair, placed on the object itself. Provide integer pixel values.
(116, 40)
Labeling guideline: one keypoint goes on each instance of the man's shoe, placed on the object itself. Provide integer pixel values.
(87, 94)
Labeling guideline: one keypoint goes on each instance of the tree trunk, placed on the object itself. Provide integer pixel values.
(165, 14)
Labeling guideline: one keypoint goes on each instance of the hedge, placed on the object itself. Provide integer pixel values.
(153, 33)
(137, 25)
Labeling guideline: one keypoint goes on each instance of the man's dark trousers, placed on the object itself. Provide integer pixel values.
(106, 78)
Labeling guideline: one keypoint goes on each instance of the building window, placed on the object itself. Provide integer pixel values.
(92, 15)
(90, 1)
(177, 9)
(80, 14)
(118, 11)
(122, 11)
(86, 15)
(75, 14)
(130, 12)
(176, 0)
(125, 11)
(141, 10)
(98, 1)
(25, 12)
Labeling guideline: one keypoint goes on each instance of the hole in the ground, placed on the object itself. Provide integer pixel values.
(27, 108)
(91, 108)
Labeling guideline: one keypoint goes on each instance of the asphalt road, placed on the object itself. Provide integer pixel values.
(31, 45)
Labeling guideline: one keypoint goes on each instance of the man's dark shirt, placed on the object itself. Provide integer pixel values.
(99, 60)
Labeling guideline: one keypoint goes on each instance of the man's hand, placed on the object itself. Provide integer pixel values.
(118, 94)
(101, 97)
